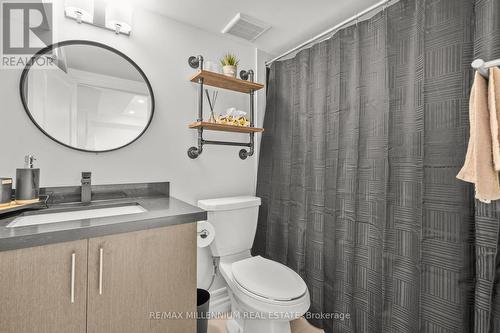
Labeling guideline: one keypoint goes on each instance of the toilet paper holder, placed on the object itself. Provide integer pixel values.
(203, 233)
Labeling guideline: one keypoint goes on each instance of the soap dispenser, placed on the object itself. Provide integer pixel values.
(27, 182)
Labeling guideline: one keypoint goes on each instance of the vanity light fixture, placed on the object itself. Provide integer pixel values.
(80, 10)
(119, 18)
(114, 15)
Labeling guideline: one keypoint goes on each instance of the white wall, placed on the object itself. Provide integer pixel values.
(160, 46)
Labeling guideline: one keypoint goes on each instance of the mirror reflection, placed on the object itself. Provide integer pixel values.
(88, 97)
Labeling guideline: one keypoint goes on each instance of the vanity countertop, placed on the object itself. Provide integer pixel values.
(161, 211)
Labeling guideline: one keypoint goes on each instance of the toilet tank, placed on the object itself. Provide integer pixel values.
(235, 223)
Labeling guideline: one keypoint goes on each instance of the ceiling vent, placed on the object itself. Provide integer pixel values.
(246, 27)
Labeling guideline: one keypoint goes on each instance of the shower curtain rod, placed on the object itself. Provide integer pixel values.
(329, 31)
(483, 67)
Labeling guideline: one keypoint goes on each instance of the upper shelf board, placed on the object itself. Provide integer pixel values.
(226, 82)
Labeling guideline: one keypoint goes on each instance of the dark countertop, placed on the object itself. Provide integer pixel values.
(162, 211)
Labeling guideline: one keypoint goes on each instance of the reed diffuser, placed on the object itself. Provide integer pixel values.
(211, 103)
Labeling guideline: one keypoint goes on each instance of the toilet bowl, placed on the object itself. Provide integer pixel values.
(265, 295)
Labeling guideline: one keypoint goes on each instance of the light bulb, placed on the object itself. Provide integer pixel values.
(80, 10)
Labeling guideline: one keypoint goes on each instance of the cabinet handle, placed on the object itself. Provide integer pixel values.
(101, 254)
(72, 292)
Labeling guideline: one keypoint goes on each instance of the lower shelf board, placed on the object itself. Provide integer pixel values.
(225, 128)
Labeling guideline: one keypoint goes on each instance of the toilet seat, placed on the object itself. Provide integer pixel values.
(268, 279)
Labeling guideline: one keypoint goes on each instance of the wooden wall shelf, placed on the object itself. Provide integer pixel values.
(226, 82)
(224, 128)
(206, 78)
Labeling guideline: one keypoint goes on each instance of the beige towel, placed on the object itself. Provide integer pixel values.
(479, 167)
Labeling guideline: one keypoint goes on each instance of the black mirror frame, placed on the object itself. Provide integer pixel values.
(91, 43)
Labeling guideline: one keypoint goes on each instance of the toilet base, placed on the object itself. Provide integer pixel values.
(242, 321)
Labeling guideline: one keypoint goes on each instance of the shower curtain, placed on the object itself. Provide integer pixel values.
(365, 133)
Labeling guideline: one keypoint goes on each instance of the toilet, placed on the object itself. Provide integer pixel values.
(265, 295)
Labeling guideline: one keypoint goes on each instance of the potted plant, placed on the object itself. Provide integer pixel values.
(229, 64)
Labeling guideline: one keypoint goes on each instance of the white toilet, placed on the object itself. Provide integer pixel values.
(265, 295)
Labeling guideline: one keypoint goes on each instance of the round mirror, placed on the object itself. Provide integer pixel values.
(87, 96)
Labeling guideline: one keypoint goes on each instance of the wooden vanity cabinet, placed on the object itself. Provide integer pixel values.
(36, 289)
(135, 275)
(121, 282)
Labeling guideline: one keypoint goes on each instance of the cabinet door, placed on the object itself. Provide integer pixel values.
(41, 292)
(133, 276)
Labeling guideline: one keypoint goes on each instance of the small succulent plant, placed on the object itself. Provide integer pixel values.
(229, 60)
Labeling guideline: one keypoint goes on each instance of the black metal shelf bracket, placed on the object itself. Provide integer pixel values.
(194, 152)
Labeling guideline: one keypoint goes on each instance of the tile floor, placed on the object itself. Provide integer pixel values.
(298, 326)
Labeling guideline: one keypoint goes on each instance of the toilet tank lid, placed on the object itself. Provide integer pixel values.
(229, 203)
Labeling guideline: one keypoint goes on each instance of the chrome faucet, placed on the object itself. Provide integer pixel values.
(86, 187)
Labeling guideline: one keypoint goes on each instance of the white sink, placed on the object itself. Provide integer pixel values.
(82, 214)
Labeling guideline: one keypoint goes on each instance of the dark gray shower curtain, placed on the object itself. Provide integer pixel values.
(365, 133)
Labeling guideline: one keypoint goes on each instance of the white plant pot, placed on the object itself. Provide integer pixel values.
(229, 71)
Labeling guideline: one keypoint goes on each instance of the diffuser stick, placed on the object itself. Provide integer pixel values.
(211, 103)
